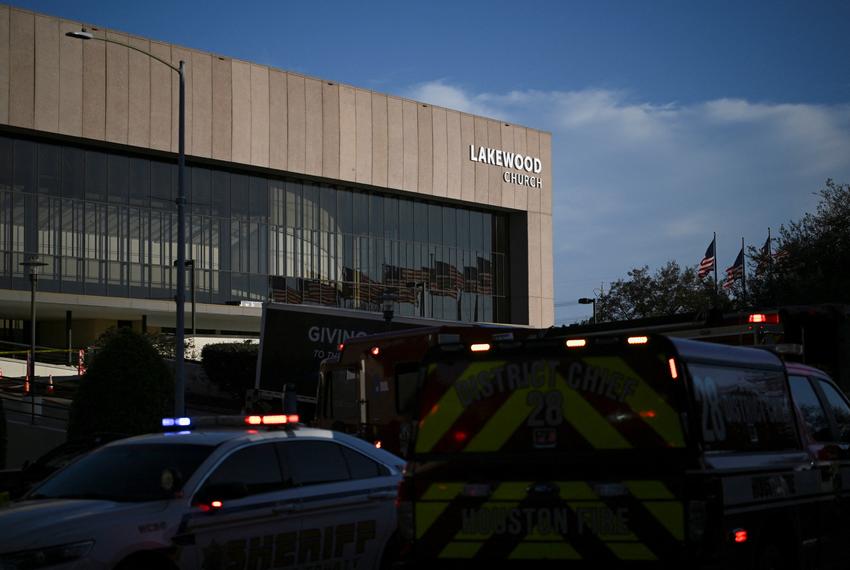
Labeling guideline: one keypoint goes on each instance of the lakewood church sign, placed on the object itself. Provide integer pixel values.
(515, 161)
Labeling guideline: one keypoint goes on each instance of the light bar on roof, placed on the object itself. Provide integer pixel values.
(270, 420)
(176, 422)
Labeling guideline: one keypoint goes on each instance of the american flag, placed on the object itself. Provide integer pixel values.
(707, 263)
(735, 272)
(764, 256)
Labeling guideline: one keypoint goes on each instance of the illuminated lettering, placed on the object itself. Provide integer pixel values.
(500, 157)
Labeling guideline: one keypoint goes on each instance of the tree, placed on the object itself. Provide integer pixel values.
(670, 291)
(810, 262)
(127, 388)
(231, 366)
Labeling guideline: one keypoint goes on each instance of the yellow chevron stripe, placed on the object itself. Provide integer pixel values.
(426, 514)
(588, 421)
(543, 551)
(511, 491)
(666, 421)
(647, 490)
(442, 491)
(460, 550)
(659, 501)
(447, 410)
(576, 490)
(670, 514)
(502, 424)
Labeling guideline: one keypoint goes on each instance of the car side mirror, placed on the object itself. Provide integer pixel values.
(221, 492)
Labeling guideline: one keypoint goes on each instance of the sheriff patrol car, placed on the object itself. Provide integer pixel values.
(268, 494)
(606, 451)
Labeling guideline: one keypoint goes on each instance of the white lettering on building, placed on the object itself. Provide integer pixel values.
(505, 159)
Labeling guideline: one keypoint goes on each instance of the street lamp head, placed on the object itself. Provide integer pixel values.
(33, 263)
(586, 301)
(81, 35)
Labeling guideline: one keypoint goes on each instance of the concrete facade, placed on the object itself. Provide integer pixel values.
(246, 114)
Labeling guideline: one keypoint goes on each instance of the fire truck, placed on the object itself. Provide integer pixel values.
(627, 450)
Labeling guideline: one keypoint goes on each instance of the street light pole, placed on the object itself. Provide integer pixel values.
(33, 263)
(190, 263)
(180, 296)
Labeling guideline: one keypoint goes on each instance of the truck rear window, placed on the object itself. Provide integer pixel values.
(742, 409)
(523, 403)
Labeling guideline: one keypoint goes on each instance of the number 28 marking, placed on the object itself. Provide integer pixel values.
(548, 408)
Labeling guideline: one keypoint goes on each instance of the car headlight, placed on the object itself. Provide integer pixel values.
(41, 557)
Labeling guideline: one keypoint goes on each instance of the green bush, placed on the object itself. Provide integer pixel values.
(231, 366)
(127, 388)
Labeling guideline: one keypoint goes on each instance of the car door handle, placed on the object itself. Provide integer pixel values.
(286, 509)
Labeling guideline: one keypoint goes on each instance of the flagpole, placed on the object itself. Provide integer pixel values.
(743, 272)
(716, 257)
(769, 252)
(770, 266)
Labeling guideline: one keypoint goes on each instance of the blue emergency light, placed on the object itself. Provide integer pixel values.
(179, 422)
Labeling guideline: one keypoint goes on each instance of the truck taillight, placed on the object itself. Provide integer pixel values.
(764, 318)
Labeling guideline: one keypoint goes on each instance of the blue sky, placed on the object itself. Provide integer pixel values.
(670, 120)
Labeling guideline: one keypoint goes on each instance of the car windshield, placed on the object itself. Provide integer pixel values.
(125, 473)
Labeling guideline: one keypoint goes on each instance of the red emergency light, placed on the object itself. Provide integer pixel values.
(271, 420)
(764, 318)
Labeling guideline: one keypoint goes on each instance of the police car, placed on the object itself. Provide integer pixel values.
(268, 494)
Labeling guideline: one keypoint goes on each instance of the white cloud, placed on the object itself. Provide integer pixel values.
(640, 183)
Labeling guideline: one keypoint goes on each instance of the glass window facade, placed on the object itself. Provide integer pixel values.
(106, 224)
